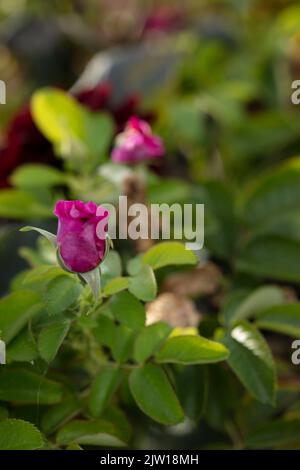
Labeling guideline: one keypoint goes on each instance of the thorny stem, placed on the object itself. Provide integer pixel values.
(234, 434)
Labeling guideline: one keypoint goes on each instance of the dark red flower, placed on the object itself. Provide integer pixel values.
(164, 19)
(24, 143)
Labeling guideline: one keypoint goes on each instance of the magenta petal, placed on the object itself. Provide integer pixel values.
(80, 245)
(137, 143)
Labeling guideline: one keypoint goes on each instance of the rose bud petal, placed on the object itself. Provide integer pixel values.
(137, 143)
(80, 242)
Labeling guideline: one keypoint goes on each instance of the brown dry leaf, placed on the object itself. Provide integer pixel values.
(173, 309)
(290, 294)
(202, 280)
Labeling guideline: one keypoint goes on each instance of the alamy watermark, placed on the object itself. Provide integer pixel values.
(296, 354)
(136, 221)
(2, 352)
(2, 92)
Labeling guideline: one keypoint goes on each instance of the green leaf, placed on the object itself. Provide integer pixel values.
(273, 197)
(134, 265)
(191, 349)
(57, 115)
(71, 127)
(59, 414)
(221, 222)
(16, 434)
(24, 386)
(60, 294)
(118, 418)
(36, 175)
(105, 331)
(194, 400)
(98, 433)
(73, 446)
(122, 343)
(223, 396)
(50, 339)
(149, 340)
(282, 319)
(16, 310)
(38, 277)
(99, 128)
(3, 413)
(103, 387)
(276, 433)
(143, 284)
(50, 236)
(116, 285)
(22, 348)
(169, 191)
(16, 204)
(272, 256)
(251, 360)
(128, 310)
(111, 266)
(154, 394)
(169, 253)
(260, 299)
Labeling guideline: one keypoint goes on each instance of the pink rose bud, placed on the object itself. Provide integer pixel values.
(81, 234)
(137, 143)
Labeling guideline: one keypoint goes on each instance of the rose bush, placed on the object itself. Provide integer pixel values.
(115, 348)
(81, 246)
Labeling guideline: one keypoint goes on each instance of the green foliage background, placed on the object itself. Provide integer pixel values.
(81, 374)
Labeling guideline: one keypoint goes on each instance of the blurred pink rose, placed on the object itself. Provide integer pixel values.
(81, 246)
(137, 143)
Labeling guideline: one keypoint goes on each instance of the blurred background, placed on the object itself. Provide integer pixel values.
(214, 78)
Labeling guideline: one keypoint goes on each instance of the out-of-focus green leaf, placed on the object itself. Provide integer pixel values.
(169, 253)
(98, 433)
(22, 348)
(122, 343)
(36, 175)
(272, 257)
(59, 414)
(128, 310)
(24, 386)
(116, 285)
(103, 387)
(273, 197)
(99, 128)
(220, 220)
(57, 115)
(61, 293)
(251, 360)
(260, 299)
(16, 310)
(111, 267)
(154, 394)
(282, 319)
(17, 204)
(16, 434)
(105, 331)
(50, 339)
(276, 433)
(149, 339)
(3, 413)
(193, 400)
(143, 284)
